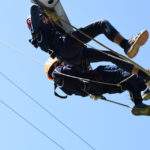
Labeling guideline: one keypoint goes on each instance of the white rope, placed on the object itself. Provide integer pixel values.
(20, 52)
(31, 124)
(46, 110)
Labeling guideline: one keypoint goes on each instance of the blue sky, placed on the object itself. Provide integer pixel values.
(103, 125)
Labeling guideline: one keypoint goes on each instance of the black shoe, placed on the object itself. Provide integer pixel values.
(141, 109)
(146, 94)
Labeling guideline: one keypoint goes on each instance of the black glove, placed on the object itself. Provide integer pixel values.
(34, 42)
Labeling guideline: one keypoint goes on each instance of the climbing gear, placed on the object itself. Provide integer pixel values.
(56, 94)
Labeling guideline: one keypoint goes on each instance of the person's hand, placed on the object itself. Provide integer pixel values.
(45, 19)
(94, 97)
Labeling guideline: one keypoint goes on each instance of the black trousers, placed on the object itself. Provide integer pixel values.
(114, 75)
(93, 55)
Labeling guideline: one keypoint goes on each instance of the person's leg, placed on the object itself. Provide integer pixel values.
(130, 46)
(135, 84)
(114, 75)
(93, 55)
(95, 29)
(141, 73)
(110, 74)
(35, 19)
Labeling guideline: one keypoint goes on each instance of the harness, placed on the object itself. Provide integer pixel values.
(56, 94)
(86, 83)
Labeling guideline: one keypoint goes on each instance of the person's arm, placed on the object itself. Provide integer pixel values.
(36, 22)
(68, 84)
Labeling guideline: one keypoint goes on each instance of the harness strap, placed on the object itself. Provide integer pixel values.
(51, 53)
(87, 80)
(56, 94)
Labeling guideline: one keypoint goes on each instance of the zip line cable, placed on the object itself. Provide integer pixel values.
(18, 51)
(46, 110)
(32, 125)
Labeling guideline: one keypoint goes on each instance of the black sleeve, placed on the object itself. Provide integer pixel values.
(67, 84)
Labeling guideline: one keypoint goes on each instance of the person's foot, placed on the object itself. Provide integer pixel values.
(135, 42)
(146, 94)
(141, 109)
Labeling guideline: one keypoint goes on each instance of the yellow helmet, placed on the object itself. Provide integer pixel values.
(49, 65)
